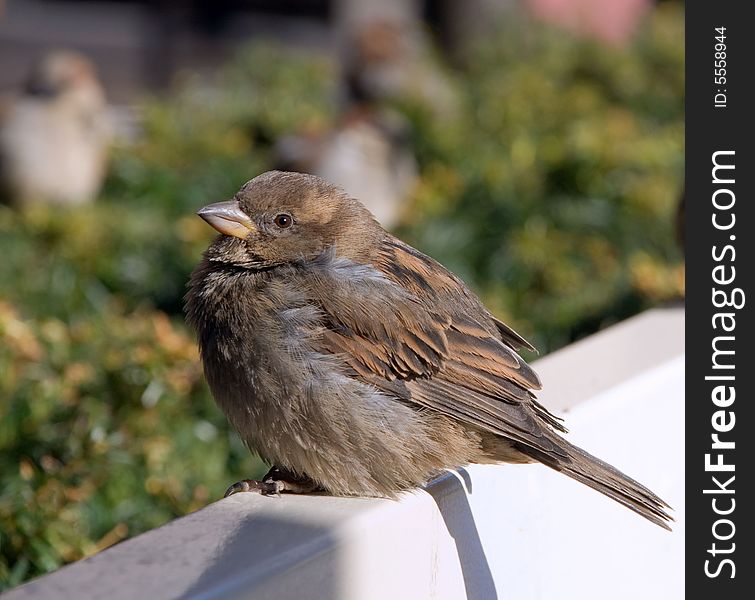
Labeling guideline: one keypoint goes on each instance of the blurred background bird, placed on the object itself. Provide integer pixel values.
(388, 60)
(368, 153)
(385, 61)
(54, 135)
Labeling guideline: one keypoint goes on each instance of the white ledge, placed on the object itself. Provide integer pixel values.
(486, 532)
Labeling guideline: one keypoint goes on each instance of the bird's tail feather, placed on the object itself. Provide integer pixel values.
(606, 479)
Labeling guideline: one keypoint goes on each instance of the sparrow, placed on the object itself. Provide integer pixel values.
(355, 364)
(54, 136)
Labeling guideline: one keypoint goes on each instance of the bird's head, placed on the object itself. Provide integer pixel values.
(280, 217)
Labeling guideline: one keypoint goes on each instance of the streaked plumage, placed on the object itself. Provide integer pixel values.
(348, 358)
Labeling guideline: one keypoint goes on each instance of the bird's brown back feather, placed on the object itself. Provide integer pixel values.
(442, 350)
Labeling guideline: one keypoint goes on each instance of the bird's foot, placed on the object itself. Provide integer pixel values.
(276, 480)
(252, 485)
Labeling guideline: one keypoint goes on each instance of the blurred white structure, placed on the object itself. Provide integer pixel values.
(487, 532)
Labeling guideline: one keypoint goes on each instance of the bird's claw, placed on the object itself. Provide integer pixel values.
(266, 488)
(275, 481)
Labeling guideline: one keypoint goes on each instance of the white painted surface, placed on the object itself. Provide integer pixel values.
(560, 539)
(520, 532)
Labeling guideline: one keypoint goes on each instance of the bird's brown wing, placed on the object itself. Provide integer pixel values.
(408, 326)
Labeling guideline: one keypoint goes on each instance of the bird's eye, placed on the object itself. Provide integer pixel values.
(283, 221)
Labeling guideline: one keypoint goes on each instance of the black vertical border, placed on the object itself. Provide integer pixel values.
(709, 129)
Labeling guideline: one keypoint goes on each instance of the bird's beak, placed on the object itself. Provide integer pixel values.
(228, 218)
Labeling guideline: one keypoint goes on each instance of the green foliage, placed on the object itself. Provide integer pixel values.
(106, 430)
(551, 190)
